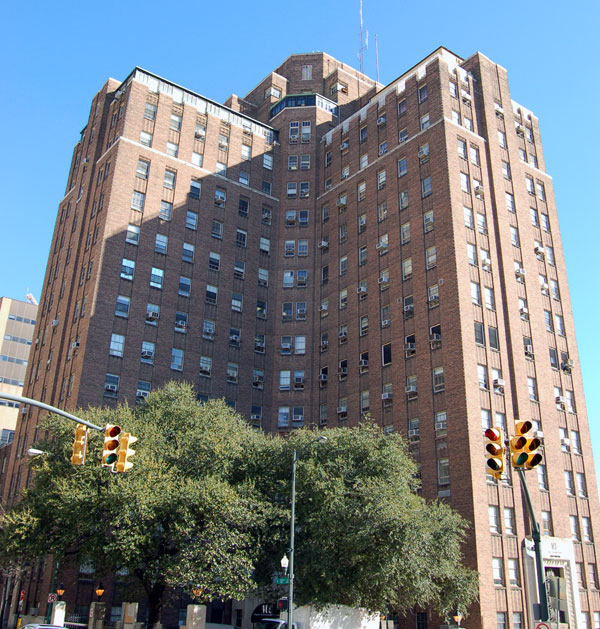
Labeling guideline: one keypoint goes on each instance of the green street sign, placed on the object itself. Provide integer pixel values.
(282, 580)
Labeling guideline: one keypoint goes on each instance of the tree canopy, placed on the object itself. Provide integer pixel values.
(207, 505)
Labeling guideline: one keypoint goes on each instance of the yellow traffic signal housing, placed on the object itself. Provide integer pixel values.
(111, 444)
(495, 450)
(123, 462)
(523, 448)
(79, 444)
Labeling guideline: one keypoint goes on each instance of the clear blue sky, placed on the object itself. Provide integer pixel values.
(56, 55)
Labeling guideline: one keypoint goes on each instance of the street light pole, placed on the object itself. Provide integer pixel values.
(292, 531)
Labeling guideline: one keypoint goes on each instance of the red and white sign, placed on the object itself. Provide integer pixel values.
(542, 625)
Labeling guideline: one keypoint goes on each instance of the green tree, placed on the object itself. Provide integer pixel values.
(207, 502)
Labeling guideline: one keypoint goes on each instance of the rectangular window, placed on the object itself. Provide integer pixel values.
(145, 138)
(191, 220)
(138, 200)
(177, 359)
(133, 234)
(211, 294)
(143, 168)
(185, 286)
(160, 244)
(122, 307)
(117, 342)
(267, 161)
(127, 269)
(237, 301)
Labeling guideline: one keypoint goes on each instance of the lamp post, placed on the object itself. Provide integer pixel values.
(457, 618)
(292, 530)
(60, 590)
(100, 590)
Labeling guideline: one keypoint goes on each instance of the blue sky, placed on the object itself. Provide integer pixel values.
(57, 55)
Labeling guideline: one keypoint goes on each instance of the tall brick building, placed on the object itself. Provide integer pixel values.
(327, 247)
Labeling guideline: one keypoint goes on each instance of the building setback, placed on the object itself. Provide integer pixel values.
(326, 248)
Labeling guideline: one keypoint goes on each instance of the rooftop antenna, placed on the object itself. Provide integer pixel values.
(377, 59)
(364, 42)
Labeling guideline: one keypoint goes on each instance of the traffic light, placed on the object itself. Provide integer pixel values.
(282, 604)
(523, 447)
(79, 444)
(111, 443)
(123, 462)
(495, 450)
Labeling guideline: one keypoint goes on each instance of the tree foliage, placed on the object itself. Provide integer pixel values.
(207, 506)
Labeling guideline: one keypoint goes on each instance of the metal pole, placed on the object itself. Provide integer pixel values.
(47, 407)
(537, 545)
(52, 585)
(292, 531)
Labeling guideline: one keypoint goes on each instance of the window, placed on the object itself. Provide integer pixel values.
(208, 329)
(403, 199)
(143, 168)
(237, 301)
(506, 170)
(127, 269)
(476, 293)
(529, 185)
(383, 148)
(430, 257)
(581, 485)
(138, 200)
(363, 134)
(381, 179)
(472, 253)
(406, 268)
(191, 220)
(214, 261)
(239, 269)
(117, 342)
(305, 131)
(244, 178)
(462, 148)
(542, 477)
(468, 213)
(493, 338)
(479, 333)
(498, 572)
(560, 325)
(474, 154)
(465, 184)
(422, 94)
(405, 233)
(514, 577)
(494, 518)
(490, 300)
(187, 254)
(177, 359)
(401, 108)
(217, 229)
(150, 111)
(268, 161)
(220, 197)
(386, 354)
(424, 122)
(362, 191)
(362, 256)
(283, 417)
(426, 188)
(264, 245)
(541, 190)
(402, 167)
(241, 238)
(455, 116)
(438, 379)
(122, 307)
(509, 521)
(546, 524)
(172, 149)
(185, 286)
(147, 352)
(145, 138)
(211, 294)
(232, 372)
(133, 234)
(160, 244)
(569, 482)
(510, 201)
(514, 236)
(284, 380)
(205, 366)
(443, 470)
(304, 189)
(482, 377)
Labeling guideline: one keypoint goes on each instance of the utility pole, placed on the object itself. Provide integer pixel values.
(537, 546)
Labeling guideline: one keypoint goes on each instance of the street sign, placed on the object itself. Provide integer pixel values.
(282, 580)
(52, 598)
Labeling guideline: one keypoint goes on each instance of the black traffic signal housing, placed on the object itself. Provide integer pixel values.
(79, 445)
(494, 452)
(523, 447)
(111, 445)
(282, 604)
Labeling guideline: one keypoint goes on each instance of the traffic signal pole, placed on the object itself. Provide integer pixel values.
(537, 545)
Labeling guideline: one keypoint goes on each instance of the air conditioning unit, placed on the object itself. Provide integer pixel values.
(341, 410)
(23, 410)
(323, 244)
(363, 363)
(255, 417)
(520, 130)
(343, 371)
(323, 421)
(435, 338)
(259, 345)
(385, 323)
(86, 160)
(381, 245)
(486, 265)
(565, 442)
(75, 345)
(322, 377)
(37, 341)
(323, 307)
(54, 322)
(287, 346)
(381, 120)
(402, 139)
(147, 354)
(523, 311)
(234, 338)
(301, 312)
(345, 175)
(387, 396)
(499, 385)
(529, 349)
(298, 418)
(567, 365)
(257, 379)
(181, 324)
(344, 145)
(433, 298)
(341, 202)
(409, 308)
(410, 347)
(520, 273)
(538, 433)
(560, 401)
(199, 135)
(539, 251)
(383, 280)
(111, 387)
(478, 191)
(544, 288)
(324, 345)
(441, 426)
(152, 316)
(423, 153)
(142, 394)
(411, 388)
(413, 433)
(361, 289)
